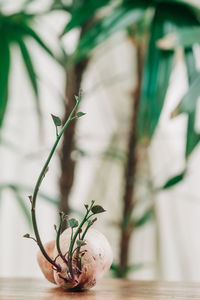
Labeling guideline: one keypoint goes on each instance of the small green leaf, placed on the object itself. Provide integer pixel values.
(30, 198)
(73, 223)
(27, 236)
(80, 243)
(174, 180)
(80, 114)
(61, 213)
(91, 222)
(56, 120)
(77, 98)
(86, 206)
(80, 230)
(97, 209)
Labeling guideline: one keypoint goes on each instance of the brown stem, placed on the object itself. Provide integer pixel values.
(73, 83)
(130, 169)
(74, 77)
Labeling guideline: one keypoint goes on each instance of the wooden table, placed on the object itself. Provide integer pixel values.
(108, 289)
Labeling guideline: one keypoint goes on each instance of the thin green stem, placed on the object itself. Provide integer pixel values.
(89, 216)
(88, 226)
(82, 238)
(57, 131)
(58, 240)
(78, 248)
(84, 233)
(70, 252)
(38, 183)
(72, 229)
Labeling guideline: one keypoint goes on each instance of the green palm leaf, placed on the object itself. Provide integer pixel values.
(31, 72)
(192, 72)
(16, 28)
(155, 79)
(22, 205)
(189, 102)
(84, 12)
(24, 208)
(193, 138)
(190, 5)
(4, 75)
(159, 64)
(29, 32)
(120, 18)
(146, 217)
(185, 37)
(29, 65)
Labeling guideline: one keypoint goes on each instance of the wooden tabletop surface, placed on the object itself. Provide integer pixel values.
(107, 289)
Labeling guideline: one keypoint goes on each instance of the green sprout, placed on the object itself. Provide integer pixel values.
(79, 235)
(78, 231)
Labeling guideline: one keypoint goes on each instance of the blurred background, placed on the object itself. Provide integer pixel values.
(136, 152)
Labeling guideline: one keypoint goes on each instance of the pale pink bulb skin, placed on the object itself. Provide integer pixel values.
(45, 266)
(95, 263)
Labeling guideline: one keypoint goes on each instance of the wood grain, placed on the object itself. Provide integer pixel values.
(108, 289)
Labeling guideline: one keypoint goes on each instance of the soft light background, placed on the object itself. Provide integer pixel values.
(107, 87)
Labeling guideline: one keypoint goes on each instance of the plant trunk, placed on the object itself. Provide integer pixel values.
(74, 78)
(73, 84)
(130, 171)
